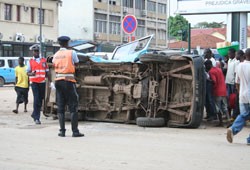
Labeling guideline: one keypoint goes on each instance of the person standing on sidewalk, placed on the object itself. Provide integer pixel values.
(22, 85)
(230, 76)
(64, 62)
(37, 70)
(240, 56)
(209, 104)
(243, 84)
(219, 92)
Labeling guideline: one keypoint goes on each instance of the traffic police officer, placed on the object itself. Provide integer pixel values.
(64, 62)
(37, 70)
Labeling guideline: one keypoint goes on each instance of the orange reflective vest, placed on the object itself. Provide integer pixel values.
(40, 69)
(64, 66)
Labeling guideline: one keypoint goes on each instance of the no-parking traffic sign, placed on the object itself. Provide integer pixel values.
(129, 24)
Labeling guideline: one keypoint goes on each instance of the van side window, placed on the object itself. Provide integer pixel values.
(2, 63)
(13, 63)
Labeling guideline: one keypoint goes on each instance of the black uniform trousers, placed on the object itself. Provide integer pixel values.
(38, 90)
(66, 95)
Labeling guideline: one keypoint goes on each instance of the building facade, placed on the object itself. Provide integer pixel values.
(100, 20)
(20, 25)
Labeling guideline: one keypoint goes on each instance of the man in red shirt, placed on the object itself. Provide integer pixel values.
(219, 90)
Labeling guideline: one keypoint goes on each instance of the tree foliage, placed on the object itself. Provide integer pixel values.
(208, 25)
(178, 27)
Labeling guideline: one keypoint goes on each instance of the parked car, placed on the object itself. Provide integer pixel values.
(149, 89)
(7, 69)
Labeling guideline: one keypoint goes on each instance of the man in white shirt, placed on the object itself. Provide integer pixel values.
(242, 80)
(230, 76)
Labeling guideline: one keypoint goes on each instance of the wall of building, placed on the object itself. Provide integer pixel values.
(218, 35)
(100, 20)
(76, 19)
(151, 16)
(29, 30)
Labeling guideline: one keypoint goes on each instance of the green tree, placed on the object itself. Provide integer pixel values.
(178, 27)
(202, 25)
(209, 25)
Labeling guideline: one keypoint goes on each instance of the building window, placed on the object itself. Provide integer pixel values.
(162, 8)
(152, 31)
(112, 2)
(32, 15)
(140, 4)
(115, 25)
(1, 52)
(18, 13)
(162, 34)
(151, 6)
(128, 3)
(42, 16)
(100, 23)
(18, 50)
(152, 24)
(140, 31)
(7, 50)
(162, 25)
(7, 11)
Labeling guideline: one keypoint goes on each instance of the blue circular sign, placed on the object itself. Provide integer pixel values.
(129, 24)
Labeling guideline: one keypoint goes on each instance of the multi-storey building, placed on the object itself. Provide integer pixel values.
(20, 25)
(100, 20)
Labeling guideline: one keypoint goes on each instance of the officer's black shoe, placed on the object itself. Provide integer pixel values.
(61, 134)
(37, 122)
(78, 134)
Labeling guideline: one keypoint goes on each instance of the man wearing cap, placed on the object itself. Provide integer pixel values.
(64, 62)
(37, 70)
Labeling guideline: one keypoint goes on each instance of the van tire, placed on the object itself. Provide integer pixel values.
(2, 81)
(150, 122)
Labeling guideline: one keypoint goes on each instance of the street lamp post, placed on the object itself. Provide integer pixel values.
(40, 21)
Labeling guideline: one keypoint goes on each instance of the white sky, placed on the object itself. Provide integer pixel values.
(194, 19)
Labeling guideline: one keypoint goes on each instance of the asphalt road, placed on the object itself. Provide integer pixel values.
(25, 146)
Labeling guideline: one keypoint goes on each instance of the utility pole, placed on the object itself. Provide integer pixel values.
(168, 26)
(41, 33)
(189, 38)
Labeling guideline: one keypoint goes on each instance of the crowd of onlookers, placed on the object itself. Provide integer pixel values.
(222, 97)
(228, 90)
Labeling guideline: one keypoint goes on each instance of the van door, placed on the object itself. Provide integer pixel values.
(12, 63)
(3, 71)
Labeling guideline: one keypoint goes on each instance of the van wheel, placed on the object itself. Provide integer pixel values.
(1, 82)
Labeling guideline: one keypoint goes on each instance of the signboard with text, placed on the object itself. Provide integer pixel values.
(212, 6)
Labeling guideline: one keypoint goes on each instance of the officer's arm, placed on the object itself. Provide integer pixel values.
(75, 58)
(29, 71)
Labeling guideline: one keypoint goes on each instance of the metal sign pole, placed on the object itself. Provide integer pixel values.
(40, 20)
